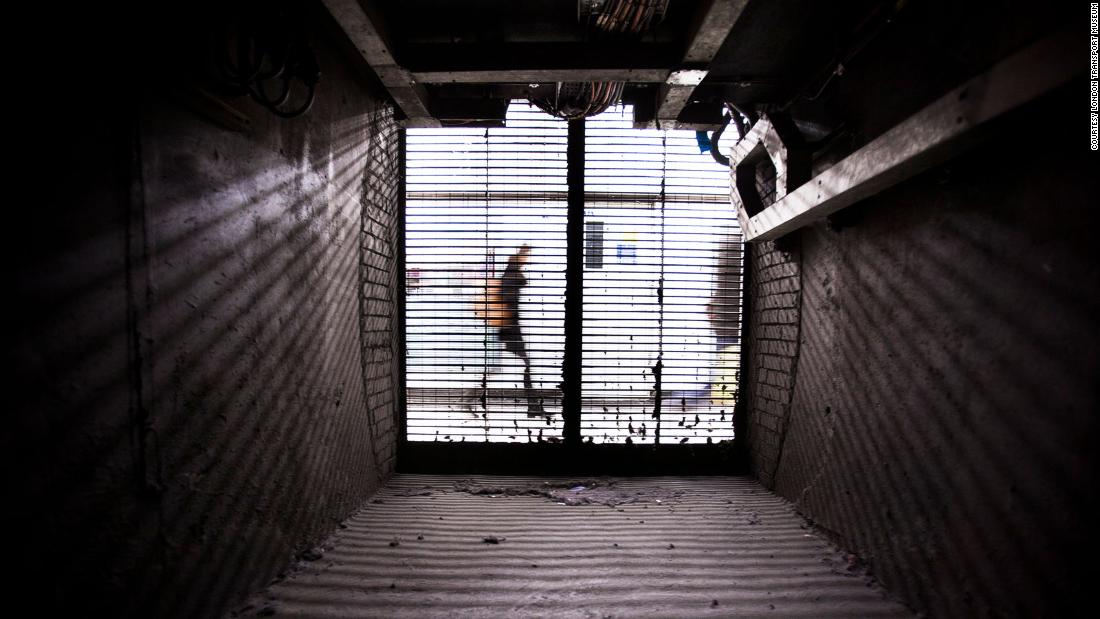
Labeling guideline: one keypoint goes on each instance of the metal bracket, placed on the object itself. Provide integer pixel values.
(777, 139)
(935, 134)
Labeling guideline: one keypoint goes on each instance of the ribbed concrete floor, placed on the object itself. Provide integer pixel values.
(709, 547)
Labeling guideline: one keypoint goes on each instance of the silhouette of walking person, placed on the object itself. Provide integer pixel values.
(502, 311)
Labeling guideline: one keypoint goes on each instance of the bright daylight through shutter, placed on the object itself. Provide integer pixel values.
(474, 199)
(485, 280)
(662, 302)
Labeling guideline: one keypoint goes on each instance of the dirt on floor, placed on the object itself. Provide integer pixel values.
(574, 492)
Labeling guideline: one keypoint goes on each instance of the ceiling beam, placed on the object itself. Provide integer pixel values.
(712, 25)
(539, 76)
(469, 108)
(365, 33)
(534, 62)
(931, 136)
(698, 116)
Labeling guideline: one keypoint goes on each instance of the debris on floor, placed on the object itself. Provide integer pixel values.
(424, 491)
(573, 492)
(846, 564)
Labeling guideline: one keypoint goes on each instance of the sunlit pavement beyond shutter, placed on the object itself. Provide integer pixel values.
(702, 546)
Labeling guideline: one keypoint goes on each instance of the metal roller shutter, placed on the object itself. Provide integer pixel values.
(474, 197)
(662, 303)
(661, 283)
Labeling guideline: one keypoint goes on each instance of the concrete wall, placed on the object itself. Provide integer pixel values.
(943, 395)
(205, 354)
